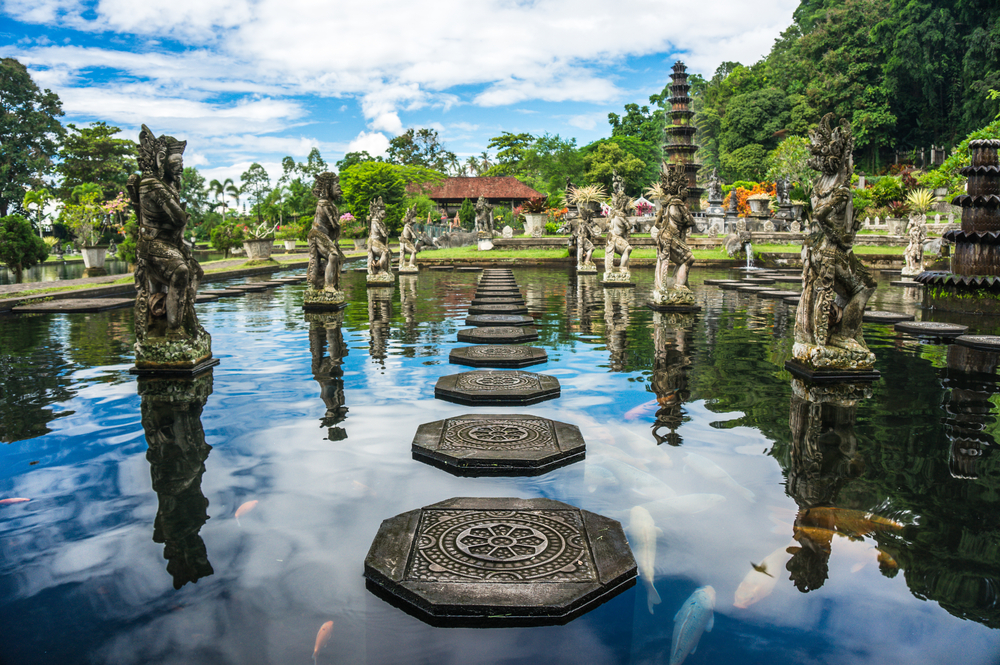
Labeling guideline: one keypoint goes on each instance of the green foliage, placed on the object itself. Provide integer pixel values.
(947, 175)
(92, 155)
(754, 118)
(789, 159)
(37, 198)
(20, 248)
(748, 162)
(467, 214)
(352, 158)
(886, 190)
(608, 155)
(29, 133)
(194, 193)
(226, 236)
(305, 223)
(127, 247)
(257, 183)
(364, 182)
(511, 149)
(421, 147)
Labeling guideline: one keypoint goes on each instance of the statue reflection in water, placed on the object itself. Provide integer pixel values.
(379, 316)
(971, 381)
(408, 304)
(171, 418)
(672, 338)
(326, 344)
(617, 303)
(589, 296)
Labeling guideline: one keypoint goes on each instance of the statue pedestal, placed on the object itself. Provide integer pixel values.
(323, 300)
(381, 279)
(408, 270)
(485, 242)
(586, 268)
(673, 300)
(823, 376)
(617, 279)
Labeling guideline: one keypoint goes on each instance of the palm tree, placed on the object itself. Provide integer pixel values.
(39, 198)
(219, 190)
(233, 191)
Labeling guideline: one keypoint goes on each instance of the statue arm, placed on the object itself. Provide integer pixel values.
(169, 204)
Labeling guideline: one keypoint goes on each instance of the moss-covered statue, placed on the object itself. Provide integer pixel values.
(325, 256)
(835, 285)
(669, 232)
(618, 233)
(168, 336)
(407, 243)
(379, 258)
(586, 235)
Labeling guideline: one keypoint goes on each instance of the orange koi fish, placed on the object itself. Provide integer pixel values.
(322, 637)
(244, 509)
(17, 499)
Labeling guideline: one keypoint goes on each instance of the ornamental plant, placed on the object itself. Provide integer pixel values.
(20, 248)
(921, 200)
(535, 206)
(351, 227)
(226, 237)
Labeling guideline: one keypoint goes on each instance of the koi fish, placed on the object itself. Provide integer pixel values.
(322, 637)
(758, 583)
(853, 522)
(244, 509)
(643, 409)
(595, 475)
(696, 616)
(761, 568)
(885, 560)
(688, 504)
(709, 470)
(640, 482)
(642, 528)
(17, 499)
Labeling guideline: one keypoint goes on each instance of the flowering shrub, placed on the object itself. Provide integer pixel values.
(742, 195)
(644, 209)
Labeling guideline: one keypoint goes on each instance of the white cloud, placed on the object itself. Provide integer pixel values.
(375, 143)
(588, 121)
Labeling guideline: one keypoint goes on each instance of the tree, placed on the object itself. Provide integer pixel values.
(29, 133)
(607, 156)
(225, 237)
(511, 149)
(38, 198)
(420, 147)
(20, 248)
(789, 159)
(194, 193)
(220, 190)
(93, 155)
(313, 166)
(352, 158)
(746, 163)
(467, 214)
(257, 184)
(367, 181)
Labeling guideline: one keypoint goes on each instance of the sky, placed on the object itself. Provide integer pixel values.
(248, 81)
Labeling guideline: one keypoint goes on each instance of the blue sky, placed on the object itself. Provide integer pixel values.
(255, 80)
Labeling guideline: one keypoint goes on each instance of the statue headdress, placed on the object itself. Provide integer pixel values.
(154, 151)
(831, 146)
(326, 182)
(672, 179)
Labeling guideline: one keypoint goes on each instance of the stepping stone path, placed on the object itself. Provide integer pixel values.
(205, 297)
(878, 316)
(493, 562)
(499, 320)
(510, 308)
(717, 282)
(792, 301)
(905, 283)
(757, 280)
(753, 288)
(498, 300)
(433, 268)
(497, 387)
(731, 286)
(930, 329)
(222, 293)
(980, 342)
(490, 355)
(469, 269)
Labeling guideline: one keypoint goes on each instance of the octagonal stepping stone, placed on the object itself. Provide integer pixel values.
(498, 287)
(777, 295)
(498, 445)
(731, 286)
(980, 342)
(439, 268)
(931, 329)
(753, 288)
(497, 284)
(492, 355)
(505, 308)
(247, 288)
(469, 269)
(499, 320)
(482, 562)
(906, 283)
(758, 280)
(499, 300)
(497, 387)
(205, 297)
(221, 292)
(879, 316)
(789, 279)
(793, 301)
(498, 335)
(365, 269)
(717, 282)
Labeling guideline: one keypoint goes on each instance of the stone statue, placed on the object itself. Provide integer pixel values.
(168, 336)
(914, 253)
(670, 235)
(734, 209)
(484, 217)
(508, 232)
(176, 451)
(618, 233)
(835, 284)
(714, 187)
(586, 233)
(379, 257)
(325, 255)
(407, 238)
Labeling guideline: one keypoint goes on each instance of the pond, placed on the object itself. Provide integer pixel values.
(53, 271)
(129, 550)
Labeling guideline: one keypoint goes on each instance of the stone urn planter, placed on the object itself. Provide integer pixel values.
(289, 245)
(94, 256)
(258, 250)
(359, 244)
(758, 206)
(534, 224)
(896, 226)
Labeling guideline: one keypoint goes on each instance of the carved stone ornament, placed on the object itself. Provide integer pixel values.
(914, 254)
(498, 444)
(168, 337)
(673, 222)
(618, 233)
(499, 320)
(379, 257)
(325, 255)
(407, 243)
(836, 285)
(494, 562)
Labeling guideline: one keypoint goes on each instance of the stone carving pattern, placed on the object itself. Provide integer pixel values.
(498, 352)
(499, 331)
(500, 380)
(498, 434)
(501, 546)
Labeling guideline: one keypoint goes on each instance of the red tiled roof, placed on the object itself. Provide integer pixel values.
(503, 188)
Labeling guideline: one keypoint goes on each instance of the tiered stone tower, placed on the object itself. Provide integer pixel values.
(973, 285)
(679, 146)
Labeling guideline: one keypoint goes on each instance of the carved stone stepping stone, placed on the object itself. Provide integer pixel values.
(482, 562)
(498, 335)
(498, 445)
(878, 316)
(905, 283)
(501, 283)
(289, 280)
(205, 297)
(438, 268)
(491, 355)
(758, 280)
(754, 288)
(731, 286)
(717, 282)
(469, 269)
(789, 279)
(70, 305)
(511, 308)
(247, 288)
(931, 329)
(793, 301)
(499, 300)
(499, 320)
(499, 287)
(980, 342)
(222, 293)
(777, 295)
(497, 387)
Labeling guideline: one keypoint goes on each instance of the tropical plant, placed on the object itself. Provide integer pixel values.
(127, 248)
(38, 198)
(86, 219)
(226, 237)
(20, 248)
(587, 194)
(351, 227)
(535, 205)
(921, 200)
(898, 209)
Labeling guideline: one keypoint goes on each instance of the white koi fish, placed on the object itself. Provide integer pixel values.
(697, 615)
(640, 482)
(644, 531)
(688, 504)
(643, 409)
(757, 586)
(709, 470)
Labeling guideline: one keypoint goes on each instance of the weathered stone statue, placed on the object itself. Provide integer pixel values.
(407, 238)
(379, 257)
(168, 336)
(176, 451)
(325, 255)
(618, 233)
(617, 307)
(780, 193)
(484, 217)
(835, 284)
(714, 188)
(586, 234)
(914, 253)
(670, 235)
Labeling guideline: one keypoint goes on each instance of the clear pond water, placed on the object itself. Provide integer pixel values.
(129, 550)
